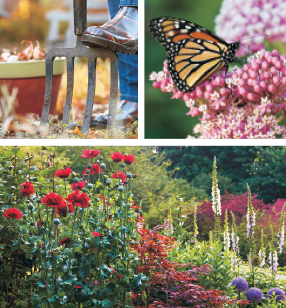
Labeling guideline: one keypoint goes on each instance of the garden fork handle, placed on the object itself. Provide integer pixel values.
(80, 19)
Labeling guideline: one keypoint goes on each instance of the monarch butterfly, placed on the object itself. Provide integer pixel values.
(194, 53)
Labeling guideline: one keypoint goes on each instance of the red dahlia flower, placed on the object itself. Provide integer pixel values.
(119, 175)
(78, 199)
(64, 173)
(27, 189)
(95, 169)
(65, 241)
(96, 234)
(62, 210)
(54, 200)
(117, 157)
(78, 185)
(89, 153)
(129, 159)
(13, 213)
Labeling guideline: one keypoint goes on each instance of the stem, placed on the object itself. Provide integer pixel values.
(73, 225)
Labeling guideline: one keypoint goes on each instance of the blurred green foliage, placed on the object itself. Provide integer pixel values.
(165, 118)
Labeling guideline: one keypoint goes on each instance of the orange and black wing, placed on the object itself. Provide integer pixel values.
(194, 53)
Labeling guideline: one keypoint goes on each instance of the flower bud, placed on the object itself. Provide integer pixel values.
(30, 206)
(89, 186)
(75, 180)
(73, 174)
(120, 188)
(122, 165)
(108, 182)
(81, 179)
(102, 166)
(129, 175)
(32, 223)
(56, 221)
(100, 157)
(89, 166)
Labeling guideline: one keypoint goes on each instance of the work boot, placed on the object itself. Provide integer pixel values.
(127, 112)
(119, 34)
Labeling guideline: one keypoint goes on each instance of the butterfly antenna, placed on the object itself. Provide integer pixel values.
(248, 37)
(245, 46)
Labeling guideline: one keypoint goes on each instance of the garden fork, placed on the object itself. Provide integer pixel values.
(80, 24)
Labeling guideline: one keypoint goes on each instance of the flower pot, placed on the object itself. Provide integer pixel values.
(30, 79)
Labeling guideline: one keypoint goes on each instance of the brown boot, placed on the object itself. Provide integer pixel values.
(119, 34)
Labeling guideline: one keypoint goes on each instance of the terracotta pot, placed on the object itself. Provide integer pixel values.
(29, 78)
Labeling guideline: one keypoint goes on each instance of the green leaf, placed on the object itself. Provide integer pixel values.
(69, 279)
(41, 284)
(2, 245)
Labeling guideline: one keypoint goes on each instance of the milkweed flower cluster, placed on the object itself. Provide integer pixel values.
(241, 104)
(244, 20)
(273, 261)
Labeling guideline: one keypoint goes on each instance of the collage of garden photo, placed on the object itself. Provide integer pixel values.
(86, 227)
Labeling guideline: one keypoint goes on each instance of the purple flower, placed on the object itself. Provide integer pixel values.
(280, 294)
(243, 20)
(244, 109)
(240, 284)
(254, 295)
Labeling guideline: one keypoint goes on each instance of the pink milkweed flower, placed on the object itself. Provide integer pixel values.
(241, 104)
(250, 21)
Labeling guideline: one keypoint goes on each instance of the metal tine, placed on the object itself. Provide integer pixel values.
(113, 92)
(90, 94)
(48, 88)
(69, 91)
(80, 22)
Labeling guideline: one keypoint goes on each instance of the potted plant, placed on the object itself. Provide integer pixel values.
(26, 72)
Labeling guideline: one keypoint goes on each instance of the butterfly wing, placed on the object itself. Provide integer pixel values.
(194, 53)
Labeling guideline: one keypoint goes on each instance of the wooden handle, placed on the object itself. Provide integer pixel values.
(80, 12)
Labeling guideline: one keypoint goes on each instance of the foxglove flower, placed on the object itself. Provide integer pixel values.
(250, 216)
(250, 21)
(273, 261)
(226, 236)
(216, 205)
(262, 256)
(281, 233)
(242, 104)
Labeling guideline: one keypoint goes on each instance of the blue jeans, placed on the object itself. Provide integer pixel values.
(128, 64)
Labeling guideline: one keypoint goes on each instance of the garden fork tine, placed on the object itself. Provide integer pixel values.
(80, 23)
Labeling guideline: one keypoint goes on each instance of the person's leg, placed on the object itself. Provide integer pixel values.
(120, 33)
(128, 69)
